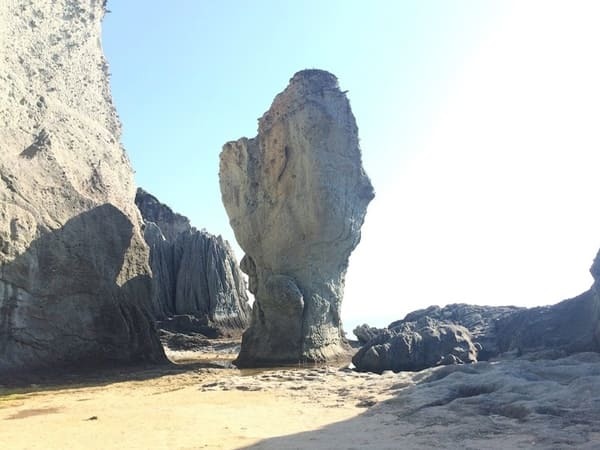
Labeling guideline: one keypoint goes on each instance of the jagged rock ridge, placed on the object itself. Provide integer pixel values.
(296, 196)
(194, 272)
(74, 277)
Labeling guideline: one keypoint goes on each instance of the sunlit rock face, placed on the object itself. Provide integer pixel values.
(74, 274)
(296, 196)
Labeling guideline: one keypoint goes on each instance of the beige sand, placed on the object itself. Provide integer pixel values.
(510, 404)
(216, 408)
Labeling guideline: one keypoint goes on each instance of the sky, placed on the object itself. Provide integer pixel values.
(479, 125)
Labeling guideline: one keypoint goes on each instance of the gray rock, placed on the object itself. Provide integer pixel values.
(568, 327)
(184, 341)
(364, 333)
(296, 196)
(479, 320)
(74, 276)
(62, 304)
(558, 330)
(168, 223)
(415, 346)
(595, 269)
(190, 325)
(195, 274)
(565, 328)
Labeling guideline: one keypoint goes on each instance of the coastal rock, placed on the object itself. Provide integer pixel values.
(568, 327)
(74, 277)
(168, 223)
(364, 333)
(195, 274)
(296, 196)
(479, 320)
(565, 328)
(595, 269)
(416, 346)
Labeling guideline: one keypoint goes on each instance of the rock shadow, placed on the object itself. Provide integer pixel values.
(75, 298)
(507, 404)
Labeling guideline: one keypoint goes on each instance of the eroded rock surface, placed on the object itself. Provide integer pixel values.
(74, 276)
(296, 196)
(195, 275)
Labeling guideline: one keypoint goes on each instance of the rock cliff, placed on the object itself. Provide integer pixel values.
(194, 272)
(74, 277)
(296, 196)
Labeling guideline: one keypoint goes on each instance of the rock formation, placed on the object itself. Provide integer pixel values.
(74, 277)
(296, 196)
(364, 333)
(568, 327)
(479, 320)
(416, 346)
(194, 273)
(455, 334)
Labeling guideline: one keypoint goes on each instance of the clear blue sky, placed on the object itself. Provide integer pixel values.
(478, 125)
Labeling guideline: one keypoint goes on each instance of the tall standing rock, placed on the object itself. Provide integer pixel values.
(193, 272)
(74, 276)
(296, 196)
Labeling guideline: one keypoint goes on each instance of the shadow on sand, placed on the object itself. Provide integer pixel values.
(517, 403)
(77, 376)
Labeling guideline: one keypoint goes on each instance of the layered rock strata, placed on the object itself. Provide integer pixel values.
(193, 273)
(296, 196)
(74, 276)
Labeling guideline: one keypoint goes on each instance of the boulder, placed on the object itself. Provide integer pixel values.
(479, 320)
(195, 276)
(74, 274)
(415, 346)
(296, 196)
(364, 333)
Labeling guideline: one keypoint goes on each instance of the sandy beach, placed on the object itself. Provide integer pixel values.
(204, 403)
(193, 406)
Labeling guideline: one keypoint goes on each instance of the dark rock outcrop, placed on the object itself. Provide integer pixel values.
(417, 345)
(479, 320)
(568, 327)
(296, 196)
(364, 333)
(74, 276)
(195, 275)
